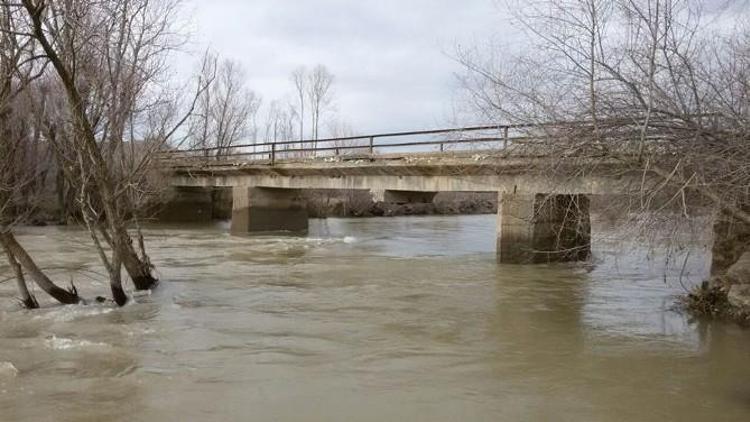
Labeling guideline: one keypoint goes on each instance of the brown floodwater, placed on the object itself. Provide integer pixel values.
(393, 319)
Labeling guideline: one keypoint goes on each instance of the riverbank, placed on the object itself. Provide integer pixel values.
(725, 296)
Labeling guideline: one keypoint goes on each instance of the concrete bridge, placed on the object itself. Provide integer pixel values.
(540, 218)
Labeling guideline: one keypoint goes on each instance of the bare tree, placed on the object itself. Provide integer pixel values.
(299, 79)
(339, 128)
(108, 58)
(19, 168)
(320, 95)
(280, 121)
(22, 163)
(226, 112)
(654, 88)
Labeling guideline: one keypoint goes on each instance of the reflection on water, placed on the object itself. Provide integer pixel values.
(370, 320)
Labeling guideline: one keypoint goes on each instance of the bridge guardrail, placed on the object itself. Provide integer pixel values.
(490, 137)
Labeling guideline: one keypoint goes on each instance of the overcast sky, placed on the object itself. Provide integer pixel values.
(390, 57)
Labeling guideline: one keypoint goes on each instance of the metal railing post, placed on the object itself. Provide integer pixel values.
(372, 145)
(505, 137)
(273, 154)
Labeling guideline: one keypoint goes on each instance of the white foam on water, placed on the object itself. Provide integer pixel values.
(73, 312)
(140, 332)
(63, 343)
(319, 241)
(7, 369)
(141, 293)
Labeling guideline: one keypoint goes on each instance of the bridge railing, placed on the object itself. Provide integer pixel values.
(477, 138)
(424, 141)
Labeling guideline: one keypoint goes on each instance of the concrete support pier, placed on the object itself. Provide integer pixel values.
(403, 196)
(539, 228)
(259, 210)
(187, 205)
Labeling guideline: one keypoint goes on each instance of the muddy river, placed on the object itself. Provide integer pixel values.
(383, 319)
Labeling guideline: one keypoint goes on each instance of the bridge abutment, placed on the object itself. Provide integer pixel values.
(538, 228)
(258, 210)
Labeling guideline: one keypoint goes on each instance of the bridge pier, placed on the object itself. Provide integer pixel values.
(258, 210)
(539, 228)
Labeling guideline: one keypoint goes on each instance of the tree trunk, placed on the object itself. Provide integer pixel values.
(27, 299)
(61, 295)
(139, 271)
(115, 280)
(63, 195)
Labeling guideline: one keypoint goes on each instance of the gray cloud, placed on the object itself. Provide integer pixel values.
(388, 56)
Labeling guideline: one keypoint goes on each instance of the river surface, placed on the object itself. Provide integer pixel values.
(392, 319)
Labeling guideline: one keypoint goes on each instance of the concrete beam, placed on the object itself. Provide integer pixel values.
(537, 228)
(494, 183)
(467, 174)
(264, 210)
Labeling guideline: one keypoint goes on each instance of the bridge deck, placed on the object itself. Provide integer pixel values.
(424, 172)
(485, 158)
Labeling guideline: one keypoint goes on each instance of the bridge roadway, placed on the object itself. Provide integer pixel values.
(540, 218)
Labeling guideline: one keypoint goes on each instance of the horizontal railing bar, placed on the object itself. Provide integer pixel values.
(363, 137)
(366, 147)
(448, 142)
(275, 149)
(396, 134)
(388, 135)
(181, 154)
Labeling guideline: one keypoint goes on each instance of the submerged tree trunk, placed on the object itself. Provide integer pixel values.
(139, 270)
(27, 299)
(115, 280)
(61, 295)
